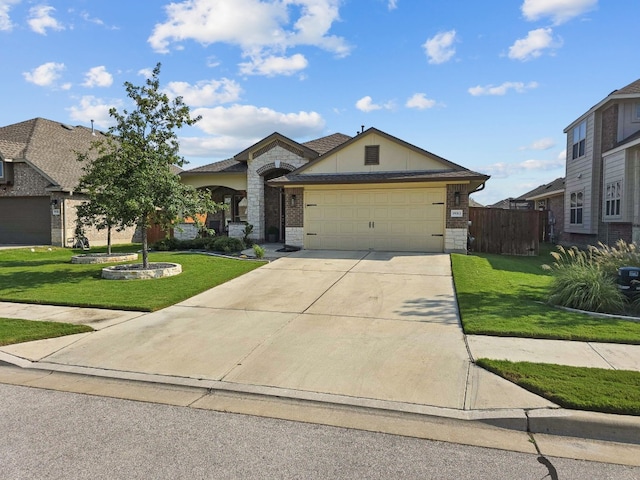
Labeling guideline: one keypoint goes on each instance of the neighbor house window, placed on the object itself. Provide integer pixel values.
(579, 139)
(575, 209)
(636, 111)
(612, 198)
(1, 169)
(372, 155)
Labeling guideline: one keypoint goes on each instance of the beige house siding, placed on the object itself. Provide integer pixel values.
(613, 171)
(628, 124)
(581, 176)
(393, 158)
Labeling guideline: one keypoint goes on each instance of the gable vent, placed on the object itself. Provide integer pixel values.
(372, 155)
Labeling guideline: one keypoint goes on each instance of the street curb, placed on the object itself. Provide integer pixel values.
(552, 421)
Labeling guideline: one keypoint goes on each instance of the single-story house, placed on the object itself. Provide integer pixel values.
(369, 192)
(549, 197)
(39, 172)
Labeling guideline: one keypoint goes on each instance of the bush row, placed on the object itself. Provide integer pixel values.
(214, 244)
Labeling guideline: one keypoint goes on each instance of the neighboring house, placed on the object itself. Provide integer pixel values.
(368, 192)
(39, 172)
(602, 199)
(549, 197)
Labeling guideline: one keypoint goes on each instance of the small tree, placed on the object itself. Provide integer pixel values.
(133, 181)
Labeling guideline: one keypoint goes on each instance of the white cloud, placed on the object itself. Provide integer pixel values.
(420, 101)
(40, 19)
(205, 93)
(5, 21)
(365, 104)
(93, 108)
(261, 28)
(440, 48)
(274, 65)
(504, 169)
(45, 75)
(559, 11)
(541, 144)
(98, 77)
(393, 4)
(533, 44)
(518, 87)
(146, 72)
(248, 121)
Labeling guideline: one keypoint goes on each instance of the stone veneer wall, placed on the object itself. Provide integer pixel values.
(294, 236)
(26, 183)
(276, 157)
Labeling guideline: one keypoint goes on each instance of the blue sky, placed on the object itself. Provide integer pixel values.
(486, 84)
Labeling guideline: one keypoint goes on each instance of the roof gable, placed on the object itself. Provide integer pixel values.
(396, 155)
(49, 147)
(274, 140)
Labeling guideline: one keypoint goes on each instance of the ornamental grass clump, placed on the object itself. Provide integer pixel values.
(579, 281)
(610, 259)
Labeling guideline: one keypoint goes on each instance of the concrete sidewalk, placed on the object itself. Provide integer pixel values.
(359, 339)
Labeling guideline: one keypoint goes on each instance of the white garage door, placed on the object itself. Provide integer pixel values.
(409, 220)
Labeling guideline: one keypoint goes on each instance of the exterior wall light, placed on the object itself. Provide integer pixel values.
(456, 199)
(293, 200)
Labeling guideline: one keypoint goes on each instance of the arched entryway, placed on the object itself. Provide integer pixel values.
(234, 213)
(274, 210)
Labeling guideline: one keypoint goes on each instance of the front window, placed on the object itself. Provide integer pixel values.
(575, 210)
(579, 139)
(636, 111)
(1, 169)
(613, 197)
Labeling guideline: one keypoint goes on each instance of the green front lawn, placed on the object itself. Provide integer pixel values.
(506, 296)
(46, 276)
(578, 388)
(18, 331)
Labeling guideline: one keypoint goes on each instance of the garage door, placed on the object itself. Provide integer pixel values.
(409, 220)
(25, 221)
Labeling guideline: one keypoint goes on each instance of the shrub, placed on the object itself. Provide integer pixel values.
(610, 259)
(248, 229)
(226, 244)
(258, 250)
(581, 282)
(166, 244)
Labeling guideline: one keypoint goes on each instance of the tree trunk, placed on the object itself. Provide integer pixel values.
(109, 240)
(145, 247)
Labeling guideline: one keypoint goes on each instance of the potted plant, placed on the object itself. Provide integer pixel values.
(272, 234)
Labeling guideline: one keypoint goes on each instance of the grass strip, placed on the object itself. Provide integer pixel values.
(17, 331)
(578, 388)
(47, 276)
(506, 296)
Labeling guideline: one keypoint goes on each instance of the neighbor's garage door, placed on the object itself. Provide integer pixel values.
(25, 220)
(410, 220)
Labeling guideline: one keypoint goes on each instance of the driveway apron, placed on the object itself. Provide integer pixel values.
(377, 325)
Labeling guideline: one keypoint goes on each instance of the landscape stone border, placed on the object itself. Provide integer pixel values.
(91, 258)
(135, 271)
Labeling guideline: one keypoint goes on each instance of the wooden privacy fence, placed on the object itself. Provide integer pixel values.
(507, 232)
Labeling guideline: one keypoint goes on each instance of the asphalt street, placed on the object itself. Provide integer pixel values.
(49, 435)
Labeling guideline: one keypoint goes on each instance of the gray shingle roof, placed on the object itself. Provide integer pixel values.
(324, 144)
(49, 147)
(551, 187)
(224, 166)
(379, 177)
(632, 88)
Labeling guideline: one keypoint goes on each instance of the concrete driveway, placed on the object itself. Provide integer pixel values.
(372, 325)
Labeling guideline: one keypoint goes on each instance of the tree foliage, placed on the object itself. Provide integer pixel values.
(133, 181)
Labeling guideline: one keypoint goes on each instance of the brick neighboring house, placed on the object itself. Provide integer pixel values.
(368, 192)
(549, 197)
(602, 200)
(39, 171)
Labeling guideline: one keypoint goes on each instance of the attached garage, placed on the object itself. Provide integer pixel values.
(380, 218)
(25, 220)
(377, 192)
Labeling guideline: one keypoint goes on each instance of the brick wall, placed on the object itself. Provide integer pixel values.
(294, 214)
(609, 128)
(26, 183)
(459, 222)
